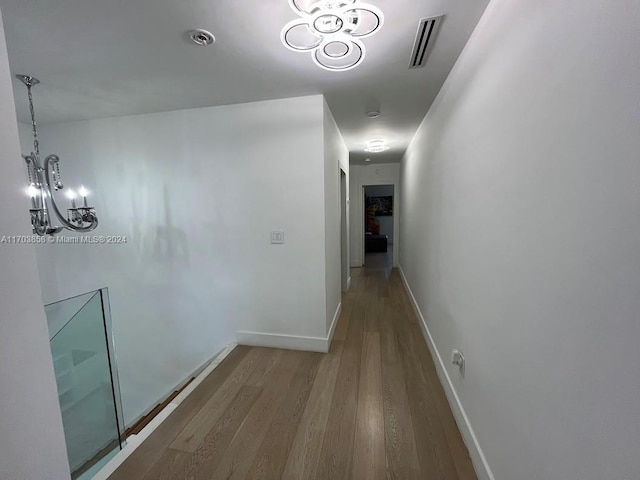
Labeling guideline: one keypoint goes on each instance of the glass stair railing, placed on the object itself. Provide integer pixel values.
(86, 375)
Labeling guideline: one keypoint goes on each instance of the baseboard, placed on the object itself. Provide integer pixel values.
(204, 373)
(348, 283)
(334, 322)
(290, 342)
(218, 357)
(475, 452)
(134, 441)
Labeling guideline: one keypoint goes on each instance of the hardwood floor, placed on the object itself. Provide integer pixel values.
(372, 408)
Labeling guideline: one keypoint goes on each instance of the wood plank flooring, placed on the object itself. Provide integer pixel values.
(372, 408)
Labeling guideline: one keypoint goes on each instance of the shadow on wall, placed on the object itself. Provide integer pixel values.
(171, 245)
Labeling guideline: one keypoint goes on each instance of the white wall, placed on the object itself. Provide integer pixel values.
(374, 174)
(336, 157)
(387, 221)
(520, 236)
(197, 193)
(31, 437)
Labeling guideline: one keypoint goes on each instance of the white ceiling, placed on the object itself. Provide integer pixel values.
(103, 58)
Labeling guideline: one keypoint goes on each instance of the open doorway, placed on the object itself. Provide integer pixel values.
(378, 226)
(344, 232)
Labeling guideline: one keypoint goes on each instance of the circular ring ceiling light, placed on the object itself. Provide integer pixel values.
(331, 31)
(376, 146)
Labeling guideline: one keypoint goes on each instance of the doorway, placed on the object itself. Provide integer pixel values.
(344, 232)
(379, 219)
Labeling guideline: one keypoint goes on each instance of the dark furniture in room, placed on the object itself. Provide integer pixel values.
(375, 243)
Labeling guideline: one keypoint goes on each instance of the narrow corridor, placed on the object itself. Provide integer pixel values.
(372, 408)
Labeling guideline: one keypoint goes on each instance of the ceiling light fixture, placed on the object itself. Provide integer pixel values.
(331, 30)
(373, 114)
(201, 37)
(44, 179)
(376, 146)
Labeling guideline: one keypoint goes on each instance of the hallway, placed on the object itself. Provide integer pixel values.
(372, 408)
(380, 260)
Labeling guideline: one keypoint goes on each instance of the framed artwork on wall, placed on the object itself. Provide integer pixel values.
(382, 206)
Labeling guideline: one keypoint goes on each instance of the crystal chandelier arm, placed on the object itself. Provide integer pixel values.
(31, 169)
(39, 228)
(94, 220)
(38, 211)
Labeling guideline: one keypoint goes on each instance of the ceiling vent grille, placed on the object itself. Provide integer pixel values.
(425, 39)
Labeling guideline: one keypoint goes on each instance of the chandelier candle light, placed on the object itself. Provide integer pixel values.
(331, 30)
(44, 176)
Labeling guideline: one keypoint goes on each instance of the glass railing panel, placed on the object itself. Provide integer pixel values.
(84, 365)
(59, 313)
(115, 381)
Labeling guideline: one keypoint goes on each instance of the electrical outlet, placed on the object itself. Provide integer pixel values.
(457, 358)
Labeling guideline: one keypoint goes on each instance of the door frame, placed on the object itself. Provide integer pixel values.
(396, 219)
(345, 264)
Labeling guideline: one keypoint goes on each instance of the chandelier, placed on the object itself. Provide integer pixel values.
(331, 30)
(45, 175)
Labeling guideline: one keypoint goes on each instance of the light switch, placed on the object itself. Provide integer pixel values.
(277, 237)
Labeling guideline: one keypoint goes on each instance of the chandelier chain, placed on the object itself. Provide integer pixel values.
(36, 146)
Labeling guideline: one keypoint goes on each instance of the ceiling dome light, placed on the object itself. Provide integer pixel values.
(376, 146)
(331, 31)
(373, 114)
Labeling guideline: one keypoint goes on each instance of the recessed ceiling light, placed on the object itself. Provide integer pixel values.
(376, 146)
(201, 37)
(367, 159)
(373, 114)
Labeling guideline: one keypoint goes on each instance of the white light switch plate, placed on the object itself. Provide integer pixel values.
(277, 237)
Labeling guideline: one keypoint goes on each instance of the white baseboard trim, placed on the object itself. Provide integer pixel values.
(134, 441)
(334, 322)
(475, 452)
(195, 375)
(290, 342)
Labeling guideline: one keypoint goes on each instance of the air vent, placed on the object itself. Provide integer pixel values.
(427, 31)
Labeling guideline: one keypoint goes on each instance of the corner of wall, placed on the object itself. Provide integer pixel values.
(336, 158)
(32, 443)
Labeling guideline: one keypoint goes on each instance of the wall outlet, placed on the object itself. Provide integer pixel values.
(457, 358)
(277, 238)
